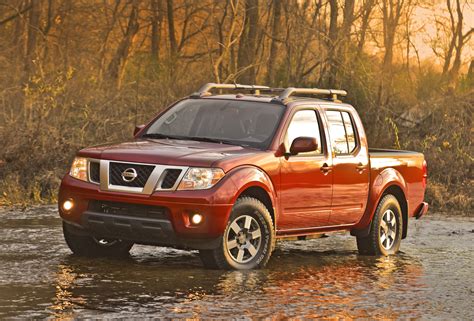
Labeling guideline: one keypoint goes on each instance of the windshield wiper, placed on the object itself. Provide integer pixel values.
(216, 140)
(162, 136)
(200, 139)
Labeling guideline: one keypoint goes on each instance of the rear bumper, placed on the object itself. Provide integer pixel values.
(172, 228)
(423, 208)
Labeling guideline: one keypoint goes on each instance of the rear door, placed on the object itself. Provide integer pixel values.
(306, 185)
(350, 168)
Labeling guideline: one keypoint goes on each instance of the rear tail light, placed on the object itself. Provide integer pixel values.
(425, 173)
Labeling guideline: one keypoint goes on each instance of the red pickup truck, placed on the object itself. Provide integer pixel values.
(227, 174)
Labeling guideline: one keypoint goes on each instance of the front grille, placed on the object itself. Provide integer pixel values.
(126, 209)
(171, 175)
(94, 172)
(116, 170)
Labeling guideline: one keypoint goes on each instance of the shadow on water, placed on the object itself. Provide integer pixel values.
(297, 282)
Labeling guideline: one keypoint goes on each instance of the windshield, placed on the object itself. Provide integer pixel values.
(241, 123)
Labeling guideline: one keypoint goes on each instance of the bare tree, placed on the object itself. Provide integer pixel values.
(248, 42)
(32, 37)
(458, 40)
(366, 12)
(123, 49)
(156, 22)
(171, 28)
(276, 31)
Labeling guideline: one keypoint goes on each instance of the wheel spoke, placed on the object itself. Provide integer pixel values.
(393, 221)
(235, 227)
(383, 238)
(392, 235)
(248, 221)
(240, 255)
(231, 244)
(252, 250)
(255, 234)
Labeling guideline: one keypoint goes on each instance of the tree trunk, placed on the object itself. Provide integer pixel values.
(364, 25)
(454, 73)
(171, 29)
(157, 19)
(117, 63)
(276, 28)
(32, 39)
(247, 49)
(391, 13)
(343, 56)
(332, 42)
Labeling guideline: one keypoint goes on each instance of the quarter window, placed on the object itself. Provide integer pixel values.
(304, 123)
(341, 132)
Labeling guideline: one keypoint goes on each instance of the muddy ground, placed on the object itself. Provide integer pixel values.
(433, 277)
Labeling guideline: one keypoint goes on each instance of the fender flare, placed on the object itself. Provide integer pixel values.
(247, 176)
(386, 179)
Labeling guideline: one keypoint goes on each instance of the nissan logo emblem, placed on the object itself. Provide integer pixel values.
(129, 175)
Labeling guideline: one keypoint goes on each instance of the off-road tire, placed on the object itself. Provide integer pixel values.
(221, 257)
(371, 244)
(86, 245)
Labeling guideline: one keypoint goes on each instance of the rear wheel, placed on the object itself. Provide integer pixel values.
(248, 239)
(386, 229)
(86, 245)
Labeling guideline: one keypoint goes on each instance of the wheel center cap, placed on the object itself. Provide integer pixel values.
(241, 238)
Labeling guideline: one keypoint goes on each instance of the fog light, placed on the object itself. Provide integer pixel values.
(68, 205)
(196, 219)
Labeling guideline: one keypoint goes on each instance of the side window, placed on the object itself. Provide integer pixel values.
(350, 132)
(341, 132)
(304, 123)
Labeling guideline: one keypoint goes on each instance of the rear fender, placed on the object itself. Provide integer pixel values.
(384, 180)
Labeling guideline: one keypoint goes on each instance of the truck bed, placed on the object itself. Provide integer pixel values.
(407, 163)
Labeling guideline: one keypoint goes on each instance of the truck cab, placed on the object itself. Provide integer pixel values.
(229, 174)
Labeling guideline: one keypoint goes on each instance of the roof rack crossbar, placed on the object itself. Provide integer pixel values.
(285, 93)
(332, 93)
(206, 89)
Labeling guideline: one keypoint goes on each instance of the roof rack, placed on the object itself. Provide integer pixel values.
(330, 93)
(206, 89)
(286, 93)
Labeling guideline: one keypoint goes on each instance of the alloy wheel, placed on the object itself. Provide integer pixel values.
(243, 239)
(388, 229)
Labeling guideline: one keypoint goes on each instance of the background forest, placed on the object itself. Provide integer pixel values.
(83, 72)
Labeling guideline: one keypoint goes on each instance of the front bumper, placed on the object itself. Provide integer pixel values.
(172, 228)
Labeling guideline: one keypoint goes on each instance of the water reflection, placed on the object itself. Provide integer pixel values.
(297, 283)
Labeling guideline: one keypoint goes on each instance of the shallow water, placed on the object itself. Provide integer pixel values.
(431, 278)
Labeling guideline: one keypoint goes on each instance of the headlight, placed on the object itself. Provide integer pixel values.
(79, 168)
(200, 178)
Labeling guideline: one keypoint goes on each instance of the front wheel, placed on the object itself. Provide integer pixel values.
(386, 229)
(248, 239)
(86, 245)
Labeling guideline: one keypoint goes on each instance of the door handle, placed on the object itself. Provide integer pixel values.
(326, 169)
(361, 167)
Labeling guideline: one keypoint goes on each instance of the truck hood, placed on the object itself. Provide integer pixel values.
(168, 152)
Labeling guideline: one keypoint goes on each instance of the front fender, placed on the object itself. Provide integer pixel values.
(248, 176)
(385, 179)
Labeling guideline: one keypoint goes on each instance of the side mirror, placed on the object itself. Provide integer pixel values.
(137, 129)
(303, 145)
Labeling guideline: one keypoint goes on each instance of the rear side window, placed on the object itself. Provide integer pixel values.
(304, 123)
(341, 132)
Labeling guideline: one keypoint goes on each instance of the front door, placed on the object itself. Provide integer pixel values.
(350, 169)
(306, 178)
